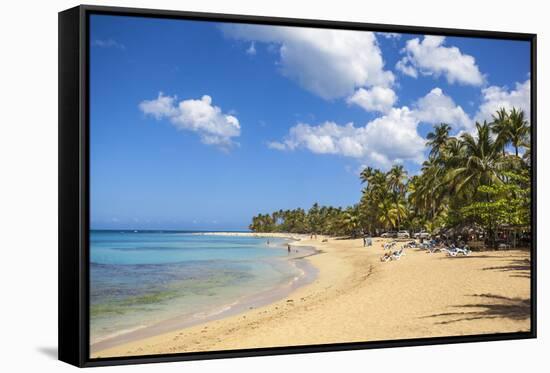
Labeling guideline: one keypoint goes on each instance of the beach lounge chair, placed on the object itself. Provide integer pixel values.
(433, 249)
(449, 250)
(454, 251)
(396, 255)
(389, 245)
(465, 250)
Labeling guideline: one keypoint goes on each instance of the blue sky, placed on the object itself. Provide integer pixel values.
(200, 125)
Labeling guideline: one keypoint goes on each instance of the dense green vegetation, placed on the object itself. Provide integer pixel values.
(478, 181)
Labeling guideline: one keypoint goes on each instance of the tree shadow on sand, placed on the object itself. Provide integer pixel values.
(517, 268)
(489, 306)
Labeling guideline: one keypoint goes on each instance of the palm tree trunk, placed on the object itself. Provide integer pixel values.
(398, 217)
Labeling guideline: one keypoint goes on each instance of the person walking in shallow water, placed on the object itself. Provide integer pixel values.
(288, 248)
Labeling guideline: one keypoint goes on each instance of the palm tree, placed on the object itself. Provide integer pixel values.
(387, 217)
(438, 139)
(350, 221)
(366, 174)
(314, 218)
(500, 126)
(482, 162)
(429, 187)
(518, 129)
(396, 179)
(454, 150)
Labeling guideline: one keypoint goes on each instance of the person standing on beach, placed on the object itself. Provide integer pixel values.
(364, 241)
(288, 248)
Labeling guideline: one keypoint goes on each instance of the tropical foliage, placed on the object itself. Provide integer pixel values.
(479, 179)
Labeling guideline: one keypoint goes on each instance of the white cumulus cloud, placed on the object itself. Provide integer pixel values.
(390, 35)
(379, 99)
(431, 57)
(392, 138)
(495, 98)
(276, 145)
(328, 63)
(436, 107)
(199, 116)
(406, 68)
(162, 106)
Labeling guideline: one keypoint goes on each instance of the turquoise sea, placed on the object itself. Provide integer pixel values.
(139, 279)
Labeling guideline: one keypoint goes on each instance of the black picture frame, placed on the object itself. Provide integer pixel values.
(74, 201)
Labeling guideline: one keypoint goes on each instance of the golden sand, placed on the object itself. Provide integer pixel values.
(356, 297)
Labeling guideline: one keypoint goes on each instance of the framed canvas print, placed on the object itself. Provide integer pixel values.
(238, 186)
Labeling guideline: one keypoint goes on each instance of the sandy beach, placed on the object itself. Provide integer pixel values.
(356, 297)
